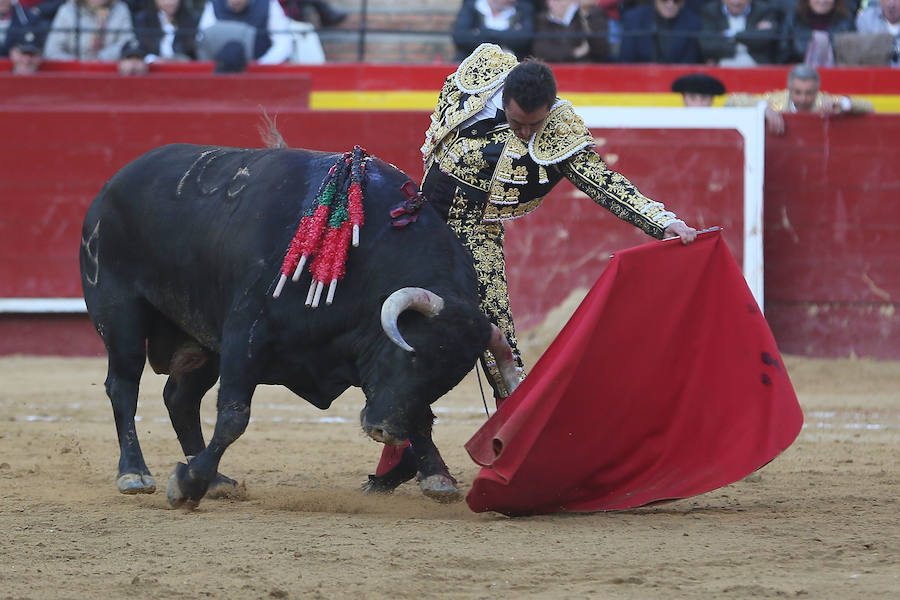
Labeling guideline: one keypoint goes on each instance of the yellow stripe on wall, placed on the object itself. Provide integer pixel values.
(416, 100)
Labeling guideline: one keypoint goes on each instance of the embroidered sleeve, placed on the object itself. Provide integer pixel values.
(612, 191)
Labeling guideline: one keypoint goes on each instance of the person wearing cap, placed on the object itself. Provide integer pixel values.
(24, 51)
(14, 19)
(801, 95)
(698, 89)
(131, 61)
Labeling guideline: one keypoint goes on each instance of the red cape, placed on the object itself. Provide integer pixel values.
(664, 384)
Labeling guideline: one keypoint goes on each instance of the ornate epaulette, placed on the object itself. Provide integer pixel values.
(562, 135)
(484, 69)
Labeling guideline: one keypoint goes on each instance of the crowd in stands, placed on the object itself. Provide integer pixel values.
(235, 32)
(136, 33)
(718, 32)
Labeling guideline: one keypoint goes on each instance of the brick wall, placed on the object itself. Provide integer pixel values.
(404, 31)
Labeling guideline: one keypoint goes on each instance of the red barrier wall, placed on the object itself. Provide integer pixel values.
(571, 77)
(830, 239)
(172, 91)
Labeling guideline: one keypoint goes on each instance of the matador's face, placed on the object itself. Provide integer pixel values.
(524, 124)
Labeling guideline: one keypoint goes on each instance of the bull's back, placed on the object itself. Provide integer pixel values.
(187, 227)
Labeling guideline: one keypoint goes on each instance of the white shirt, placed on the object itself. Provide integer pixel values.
(500, 22)
(277, 25)
(166, 49)
(494, 103)
(567, 18)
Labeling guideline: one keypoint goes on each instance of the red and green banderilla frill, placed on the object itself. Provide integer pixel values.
(327, 229)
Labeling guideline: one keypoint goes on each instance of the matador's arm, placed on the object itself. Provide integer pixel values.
(614, 192)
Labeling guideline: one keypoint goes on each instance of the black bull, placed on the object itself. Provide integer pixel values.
(179, 257)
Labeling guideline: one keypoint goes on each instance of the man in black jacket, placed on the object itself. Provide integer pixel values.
(739, 33)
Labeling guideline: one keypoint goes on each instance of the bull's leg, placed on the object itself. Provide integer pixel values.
(433, 475)
(183, 394)
(420, 459)
(189, 482)
(126, 348)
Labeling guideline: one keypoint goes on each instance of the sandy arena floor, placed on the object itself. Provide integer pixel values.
(819, 522)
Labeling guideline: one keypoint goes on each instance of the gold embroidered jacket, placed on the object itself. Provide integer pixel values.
(780, 100)
(516, 175)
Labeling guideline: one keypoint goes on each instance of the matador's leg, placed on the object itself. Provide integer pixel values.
(485, 241)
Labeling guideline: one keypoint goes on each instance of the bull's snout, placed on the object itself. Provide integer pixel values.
(382, 432)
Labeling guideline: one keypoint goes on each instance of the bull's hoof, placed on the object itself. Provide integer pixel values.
(135, 483)
(441, 488)
(174, 494)
(225, 487)
(402, 472)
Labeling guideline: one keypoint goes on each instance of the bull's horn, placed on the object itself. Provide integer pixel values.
(506, 364)
(420, 299)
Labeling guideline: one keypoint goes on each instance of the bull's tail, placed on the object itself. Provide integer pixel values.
(269, 133)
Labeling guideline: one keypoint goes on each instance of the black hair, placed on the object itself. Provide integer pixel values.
(531, 84)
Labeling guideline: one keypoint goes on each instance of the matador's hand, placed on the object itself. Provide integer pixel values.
(679, 229)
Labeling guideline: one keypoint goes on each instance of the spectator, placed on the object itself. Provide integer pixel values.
(167, 30)
(698, 89)
(880, 18)
(44, 10)
(89, 30)
(271, 41)
(231, 58)
(807, 31)
(24, 50)
(507, 23)
(740, 33)
(663, 32)
(802, 95)
(13, 17)
(298, 10)
(576, 29)
(131, 61)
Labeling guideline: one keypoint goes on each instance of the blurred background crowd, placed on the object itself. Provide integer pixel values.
(235, 33)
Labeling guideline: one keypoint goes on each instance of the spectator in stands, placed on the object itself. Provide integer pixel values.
(698, 89)
(44, 10)
(13, 17)
(24, 50)
(271, 40)
(663, 32)
(298, 10)
(131, 61)
(89, 30)
(576, 31)
(807, 31)
(880, 18)
(801, 95)
(507, 23)
(167, 30)
(740, 33)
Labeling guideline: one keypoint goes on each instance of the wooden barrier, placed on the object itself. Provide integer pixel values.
(831, 228)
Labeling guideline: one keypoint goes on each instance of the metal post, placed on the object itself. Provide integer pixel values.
(363, 15)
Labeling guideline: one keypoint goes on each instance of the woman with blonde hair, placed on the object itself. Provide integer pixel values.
(89, 30)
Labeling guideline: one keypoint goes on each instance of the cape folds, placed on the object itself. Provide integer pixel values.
(664, 384)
